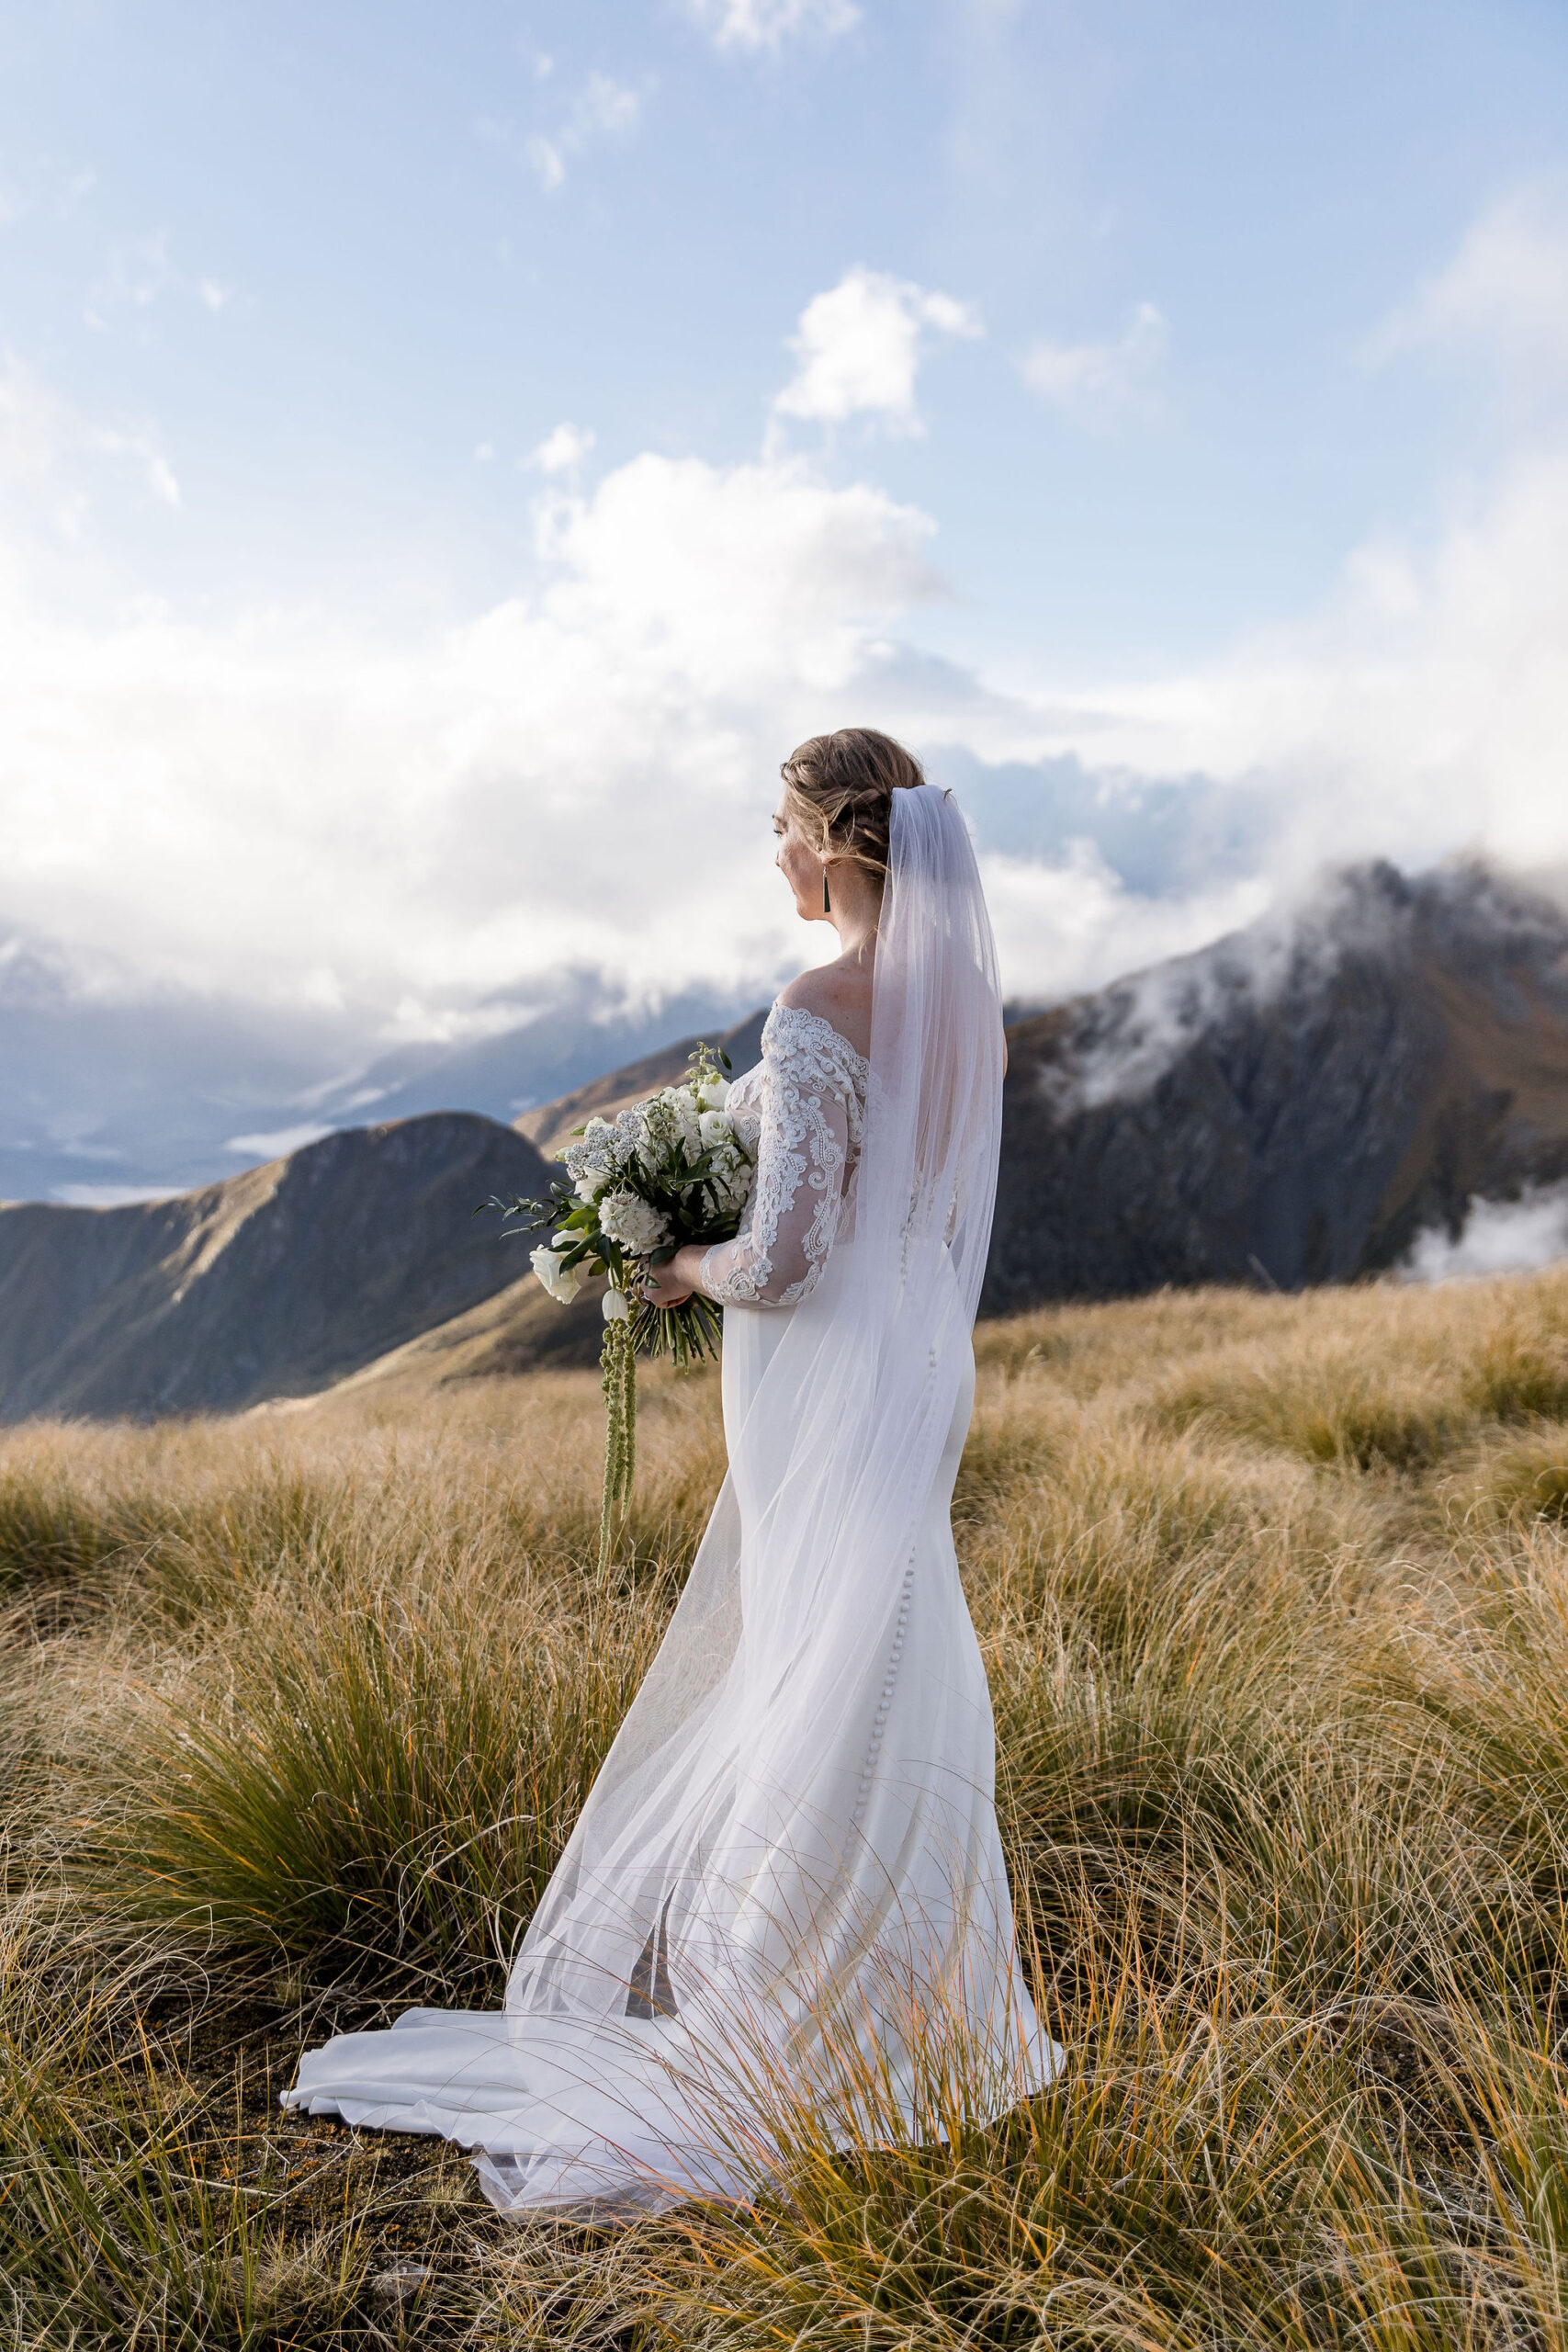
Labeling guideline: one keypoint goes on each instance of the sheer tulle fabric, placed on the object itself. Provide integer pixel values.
(786, 1885)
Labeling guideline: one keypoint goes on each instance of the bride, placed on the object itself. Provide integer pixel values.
(785, 1895)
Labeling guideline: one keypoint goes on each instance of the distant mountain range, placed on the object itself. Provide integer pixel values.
(107, 1097)
(1291, 1105)
(275, 1283)
(128, 1101)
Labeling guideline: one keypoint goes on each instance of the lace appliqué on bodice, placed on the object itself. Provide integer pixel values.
(800, 1113)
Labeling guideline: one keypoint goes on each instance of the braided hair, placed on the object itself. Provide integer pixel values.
(840, 790)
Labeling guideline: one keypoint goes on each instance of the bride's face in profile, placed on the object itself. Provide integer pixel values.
(800, 865)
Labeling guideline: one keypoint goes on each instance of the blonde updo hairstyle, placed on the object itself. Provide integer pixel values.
(839, 790)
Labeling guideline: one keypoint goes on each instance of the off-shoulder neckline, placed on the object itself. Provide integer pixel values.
(802, 1012)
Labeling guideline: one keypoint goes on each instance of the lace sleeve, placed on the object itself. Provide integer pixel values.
(808, 1115)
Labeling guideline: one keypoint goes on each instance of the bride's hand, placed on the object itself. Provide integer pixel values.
(672, 1284)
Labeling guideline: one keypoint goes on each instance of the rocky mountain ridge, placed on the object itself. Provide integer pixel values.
(274, 1283)
(1293, 1104)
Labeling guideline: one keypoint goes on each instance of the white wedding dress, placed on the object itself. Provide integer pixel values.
(786, 1891)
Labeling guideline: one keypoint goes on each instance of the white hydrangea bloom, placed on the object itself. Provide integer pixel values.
(627, 1219)
(563, 1283)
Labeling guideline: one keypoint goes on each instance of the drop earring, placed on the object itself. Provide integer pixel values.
(827, 902)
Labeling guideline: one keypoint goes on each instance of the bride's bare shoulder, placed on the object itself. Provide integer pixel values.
(838, 994)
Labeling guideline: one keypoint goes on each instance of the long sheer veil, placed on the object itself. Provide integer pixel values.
(724, 1834)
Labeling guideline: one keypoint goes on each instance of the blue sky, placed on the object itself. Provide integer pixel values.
(448, 455)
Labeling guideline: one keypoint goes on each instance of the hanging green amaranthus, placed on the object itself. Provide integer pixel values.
(618, 1364)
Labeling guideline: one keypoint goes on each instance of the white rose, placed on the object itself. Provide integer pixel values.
(561, 1282)
(590, 1183)
(628, 1219)
(714, 1094)
(715, 1127)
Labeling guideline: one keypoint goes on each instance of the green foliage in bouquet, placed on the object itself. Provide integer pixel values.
(667, 1171)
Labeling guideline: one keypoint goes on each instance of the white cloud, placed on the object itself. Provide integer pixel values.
(277, 1145)
(603, 109)
(606, 105)
(421, 835)
(216, 297)
(561, 451)
(1505, 293)
(1497, 1237)
(547, 159)
(741, 579)
(1073, 926)
(753, 25)
(46, 453)
(295, 812)
(1100, 383)
(1425, 709)
(858, 348)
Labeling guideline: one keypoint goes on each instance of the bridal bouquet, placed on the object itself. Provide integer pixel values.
(667, 1171)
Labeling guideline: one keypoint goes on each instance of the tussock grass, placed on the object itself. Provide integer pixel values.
(1530, 1479)
(296, 1710)
(387, 1781)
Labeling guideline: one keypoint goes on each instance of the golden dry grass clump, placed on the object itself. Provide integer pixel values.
(296, 1710)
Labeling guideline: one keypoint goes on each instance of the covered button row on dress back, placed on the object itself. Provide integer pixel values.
(879, 1725)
